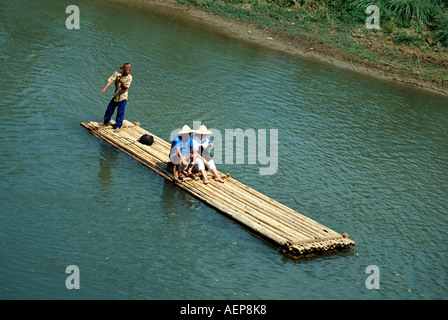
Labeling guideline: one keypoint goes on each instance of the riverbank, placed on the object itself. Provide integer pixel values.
(377, 53)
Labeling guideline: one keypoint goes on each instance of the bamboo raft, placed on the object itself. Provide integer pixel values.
(287, 230)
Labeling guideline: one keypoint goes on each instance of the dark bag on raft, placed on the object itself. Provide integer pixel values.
(146, 139)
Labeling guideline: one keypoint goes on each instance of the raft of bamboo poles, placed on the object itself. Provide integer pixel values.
(287, 230)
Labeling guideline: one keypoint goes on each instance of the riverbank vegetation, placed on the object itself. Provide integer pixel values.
(412, 41)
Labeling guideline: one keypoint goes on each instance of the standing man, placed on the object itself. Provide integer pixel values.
(119, 99)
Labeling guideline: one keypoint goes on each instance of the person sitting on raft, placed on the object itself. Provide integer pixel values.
(201, 151)
(181, 154)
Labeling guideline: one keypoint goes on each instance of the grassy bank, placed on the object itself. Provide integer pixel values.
(411, 44)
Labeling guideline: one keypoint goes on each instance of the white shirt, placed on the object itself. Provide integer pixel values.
(204, 143)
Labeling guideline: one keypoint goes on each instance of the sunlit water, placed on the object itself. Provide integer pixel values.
(357, 154)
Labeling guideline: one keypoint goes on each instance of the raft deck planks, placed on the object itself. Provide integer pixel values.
(289, 231)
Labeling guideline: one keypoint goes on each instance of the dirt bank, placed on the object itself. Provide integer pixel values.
(320, 50)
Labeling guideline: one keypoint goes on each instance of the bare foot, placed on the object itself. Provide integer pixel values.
(219, 179)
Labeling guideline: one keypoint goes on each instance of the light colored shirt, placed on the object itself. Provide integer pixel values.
(120, 93)
(205, 143)
(185, 146)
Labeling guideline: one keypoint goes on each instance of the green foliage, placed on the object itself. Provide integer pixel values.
(441, 33)
(427, 17)
(407, 12)
(404, 37)
(340, 24)
(389, 26)
(282, 3)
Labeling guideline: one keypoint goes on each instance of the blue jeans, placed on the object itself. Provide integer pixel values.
(120, 111)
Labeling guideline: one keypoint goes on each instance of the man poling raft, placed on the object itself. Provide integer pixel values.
(119, 99)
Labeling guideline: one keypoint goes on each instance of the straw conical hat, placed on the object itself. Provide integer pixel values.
(203, 130)
(185, 129)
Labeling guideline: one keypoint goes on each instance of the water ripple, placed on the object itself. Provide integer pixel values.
(360, 155)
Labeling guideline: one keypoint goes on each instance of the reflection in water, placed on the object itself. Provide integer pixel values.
(108, 159)
(175, 197)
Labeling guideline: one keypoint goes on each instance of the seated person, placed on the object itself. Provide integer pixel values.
(181, 153)
(201, 151)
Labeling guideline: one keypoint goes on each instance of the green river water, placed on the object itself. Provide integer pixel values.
(355, 153)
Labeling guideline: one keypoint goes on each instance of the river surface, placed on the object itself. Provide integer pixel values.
(355, 153)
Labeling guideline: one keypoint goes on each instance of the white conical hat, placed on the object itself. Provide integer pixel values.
(185, 129)
(203, 130)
